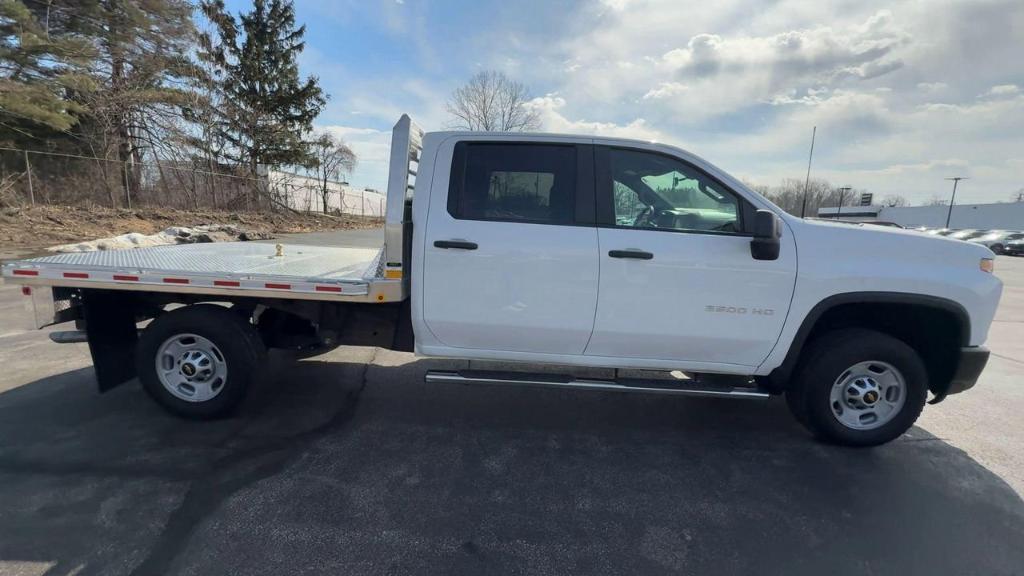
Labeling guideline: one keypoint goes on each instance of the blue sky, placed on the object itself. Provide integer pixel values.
(904, 93)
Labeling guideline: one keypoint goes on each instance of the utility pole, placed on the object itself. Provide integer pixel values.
(842, 192)
(956, 180)
(807, 181)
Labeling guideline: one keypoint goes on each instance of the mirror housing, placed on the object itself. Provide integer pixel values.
(767, 231)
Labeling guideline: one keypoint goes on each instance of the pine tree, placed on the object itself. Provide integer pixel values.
(103, 78)
(41, 64)
(267, 108)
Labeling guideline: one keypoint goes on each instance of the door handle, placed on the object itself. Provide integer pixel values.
(638, 254)
(460, 244)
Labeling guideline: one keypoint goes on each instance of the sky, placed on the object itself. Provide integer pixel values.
(903, 93)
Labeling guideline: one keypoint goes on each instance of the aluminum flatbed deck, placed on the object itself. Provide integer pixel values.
(235, 268)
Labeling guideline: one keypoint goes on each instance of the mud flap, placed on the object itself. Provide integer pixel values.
(112, 335)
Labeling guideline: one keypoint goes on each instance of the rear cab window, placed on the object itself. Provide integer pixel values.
(535, 183)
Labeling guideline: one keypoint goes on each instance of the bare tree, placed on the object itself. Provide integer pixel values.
(789, 195)
(331, 158)
(492, 102)
(1017, 196)
(936, 200)
(894, 200)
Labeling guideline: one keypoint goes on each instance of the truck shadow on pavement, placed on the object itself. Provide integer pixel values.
(351, 468)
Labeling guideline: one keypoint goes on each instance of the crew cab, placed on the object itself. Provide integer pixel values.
(573, 251)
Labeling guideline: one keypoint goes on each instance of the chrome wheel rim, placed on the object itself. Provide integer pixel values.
(868, 395)
(191, 367)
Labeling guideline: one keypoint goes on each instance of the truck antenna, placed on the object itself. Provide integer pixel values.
(807, 181)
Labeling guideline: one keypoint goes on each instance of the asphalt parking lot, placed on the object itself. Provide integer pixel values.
(348, 463)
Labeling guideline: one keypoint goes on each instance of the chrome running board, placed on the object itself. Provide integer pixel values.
(568, 381)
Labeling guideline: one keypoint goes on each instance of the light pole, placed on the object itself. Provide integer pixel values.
(842, 192)
(956, 180)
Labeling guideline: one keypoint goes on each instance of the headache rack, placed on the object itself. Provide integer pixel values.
(251, 269)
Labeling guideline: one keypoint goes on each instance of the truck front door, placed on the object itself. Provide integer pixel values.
(677, 278)
(510, 254)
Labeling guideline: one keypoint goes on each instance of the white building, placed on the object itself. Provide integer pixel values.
(999, 216)
(303, 193)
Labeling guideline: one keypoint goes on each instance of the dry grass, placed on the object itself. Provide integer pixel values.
(41, 226)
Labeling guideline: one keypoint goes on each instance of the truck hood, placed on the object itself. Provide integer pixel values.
(868, 236)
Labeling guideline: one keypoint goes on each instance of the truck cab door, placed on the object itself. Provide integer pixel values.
(510, 260)
(678, 282)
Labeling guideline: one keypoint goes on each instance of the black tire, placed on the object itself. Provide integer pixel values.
(826, 359)
(234, 337)
(996, 248)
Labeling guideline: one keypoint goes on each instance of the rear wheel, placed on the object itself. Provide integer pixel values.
(997, 248)
(199, 361)
(859, 387)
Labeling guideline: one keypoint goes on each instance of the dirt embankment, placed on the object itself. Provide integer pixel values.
(37, 227)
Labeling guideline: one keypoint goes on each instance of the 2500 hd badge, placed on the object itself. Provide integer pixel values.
(738, 310)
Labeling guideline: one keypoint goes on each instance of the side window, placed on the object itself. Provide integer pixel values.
(654, 191)
(513, 182)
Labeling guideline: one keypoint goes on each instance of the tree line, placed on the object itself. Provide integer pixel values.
(790, 195)
(166, 92)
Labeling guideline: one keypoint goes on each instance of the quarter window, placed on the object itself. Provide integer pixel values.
(513, 182)
(658, 192)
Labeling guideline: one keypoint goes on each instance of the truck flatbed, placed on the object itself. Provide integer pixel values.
(288, 271)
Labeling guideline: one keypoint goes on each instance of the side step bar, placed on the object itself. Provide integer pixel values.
(568, 381)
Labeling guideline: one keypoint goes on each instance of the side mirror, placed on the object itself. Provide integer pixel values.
(767, 231)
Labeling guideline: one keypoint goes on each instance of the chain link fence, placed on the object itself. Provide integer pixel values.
(30, 177)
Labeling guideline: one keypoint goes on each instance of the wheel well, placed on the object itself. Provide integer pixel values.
(936, 331)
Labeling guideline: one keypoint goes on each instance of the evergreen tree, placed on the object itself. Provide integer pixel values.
(103, 78)
(267, 108)
(42, 62)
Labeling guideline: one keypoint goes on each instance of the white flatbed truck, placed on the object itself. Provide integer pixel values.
(572, 251)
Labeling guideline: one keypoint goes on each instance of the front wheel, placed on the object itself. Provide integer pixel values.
(198, 361)
(859, 387)
(997, 248)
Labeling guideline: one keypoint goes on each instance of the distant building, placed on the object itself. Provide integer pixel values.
(852, 213)
(303, 193)
(998, 216)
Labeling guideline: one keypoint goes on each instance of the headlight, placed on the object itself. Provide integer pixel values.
(987, 265)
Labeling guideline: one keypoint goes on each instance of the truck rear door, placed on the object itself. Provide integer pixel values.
(510, 259)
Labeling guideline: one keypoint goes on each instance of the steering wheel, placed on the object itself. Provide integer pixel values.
(642, 217)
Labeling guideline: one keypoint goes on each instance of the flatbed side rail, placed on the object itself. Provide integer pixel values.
(370, 290)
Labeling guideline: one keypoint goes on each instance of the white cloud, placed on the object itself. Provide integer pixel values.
(550, 107)
(666, 90)
(616, 5)
(931, 87)
(1003, 91)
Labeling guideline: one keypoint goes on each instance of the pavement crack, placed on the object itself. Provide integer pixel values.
(235, 472)
(1011, 359)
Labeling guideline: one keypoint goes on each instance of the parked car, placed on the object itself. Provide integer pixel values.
(1014, 247)
(997, 241)
(572, 251)
(967, 234)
